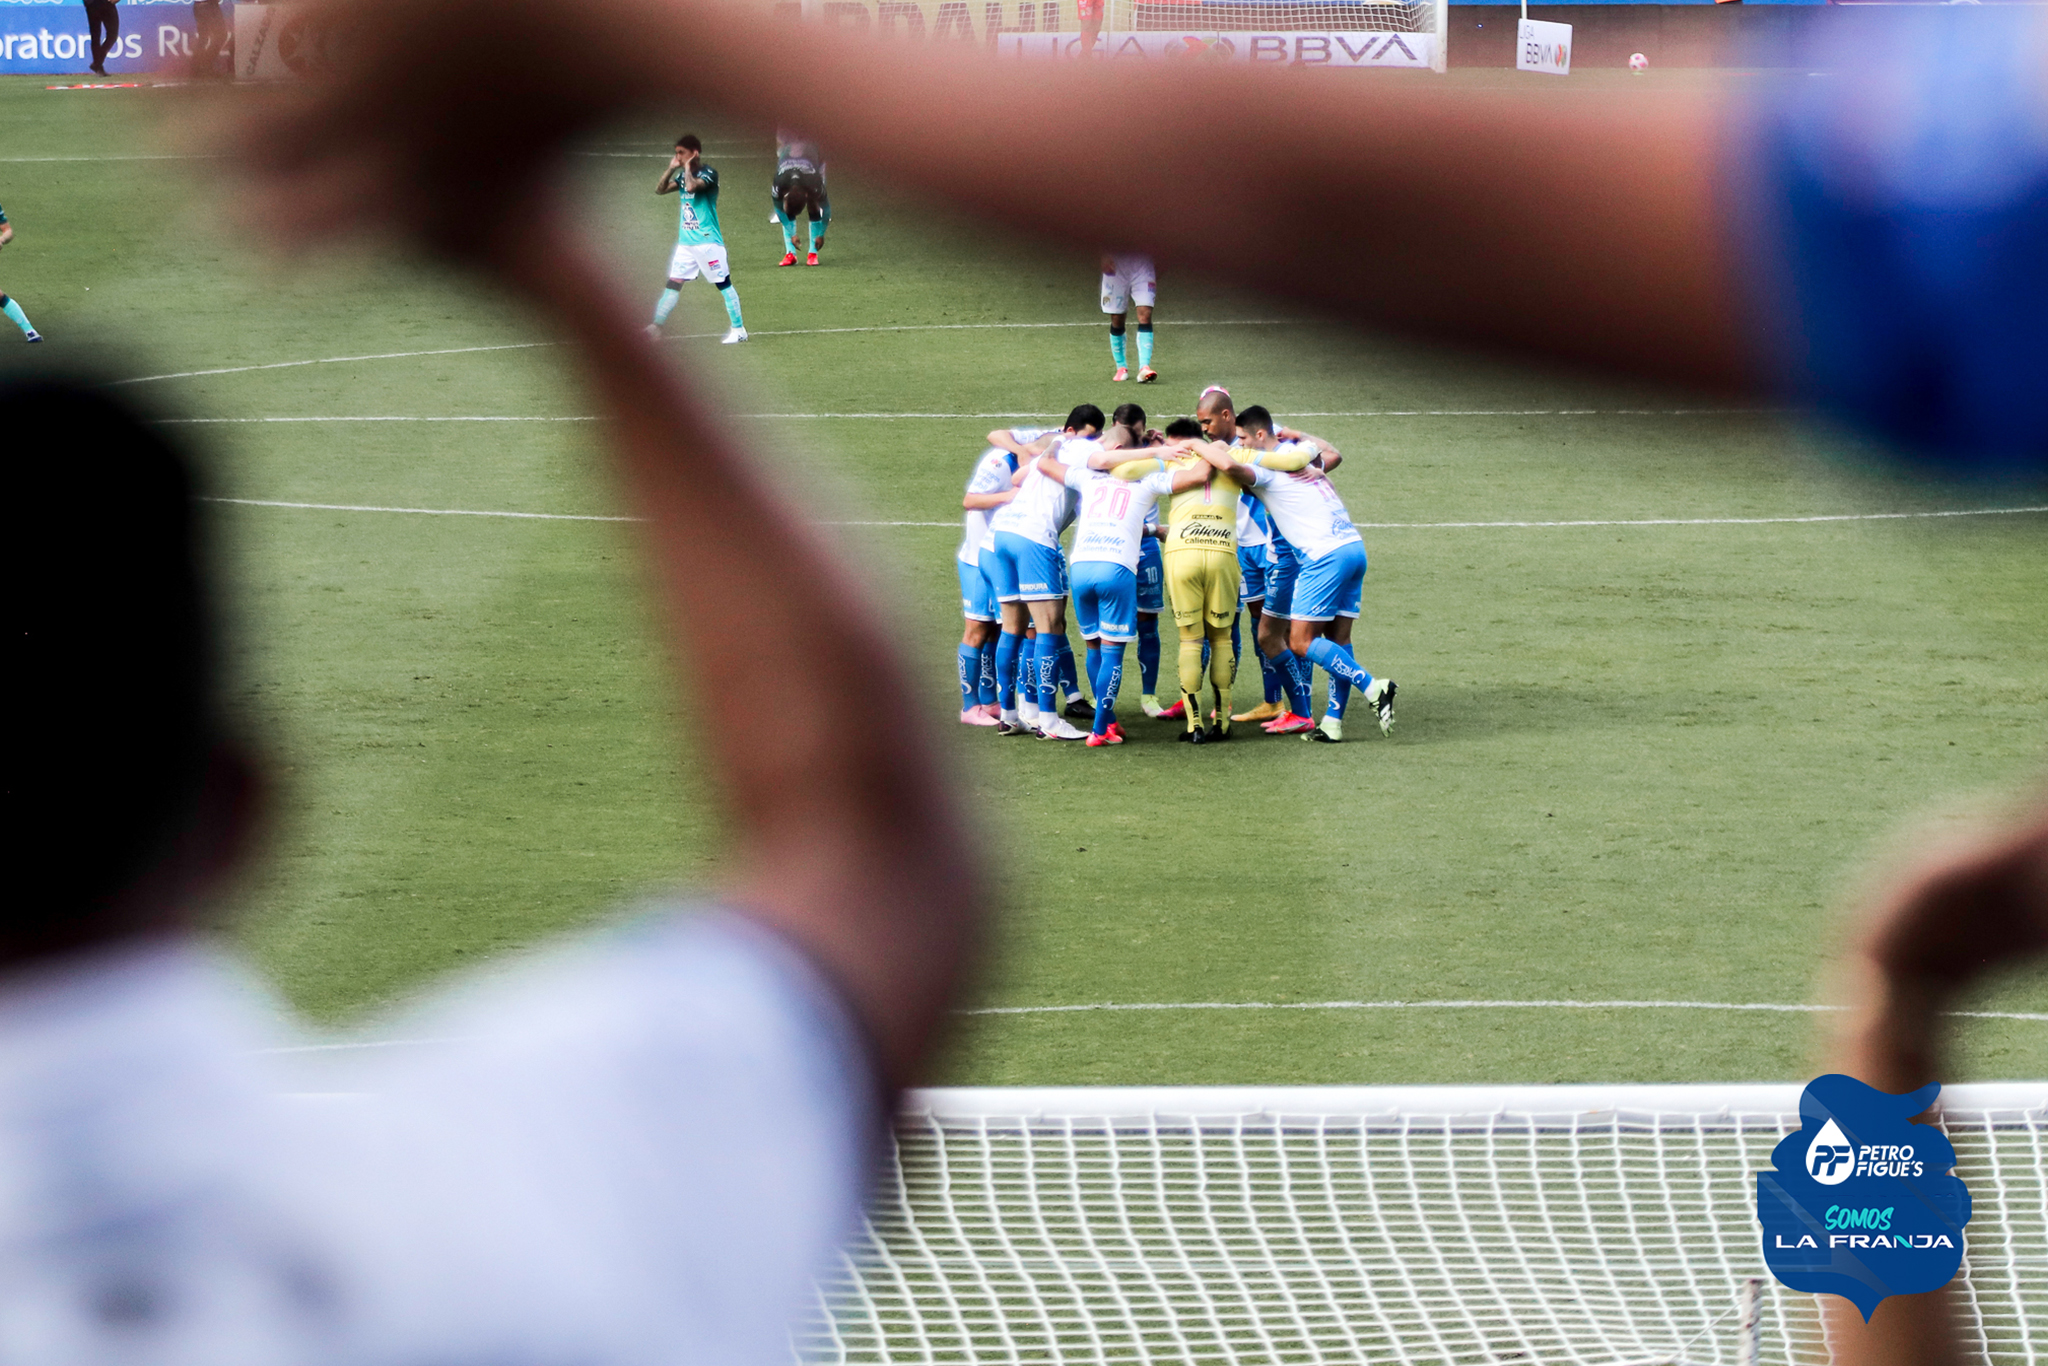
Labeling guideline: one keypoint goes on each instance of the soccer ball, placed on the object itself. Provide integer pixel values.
(1638, 62)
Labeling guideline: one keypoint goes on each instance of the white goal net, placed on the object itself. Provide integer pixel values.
(1289, 1226)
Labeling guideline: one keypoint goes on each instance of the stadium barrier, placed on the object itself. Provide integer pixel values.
(50, 38)
(1258, 1227)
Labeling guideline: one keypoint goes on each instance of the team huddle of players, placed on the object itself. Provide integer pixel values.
(1220, 512)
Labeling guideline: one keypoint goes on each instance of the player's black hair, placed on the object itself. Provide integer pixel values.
(1129, 415)
(1256, 417)
(114, 648)
(1183, 426)
(689, 140)
(1087, 415)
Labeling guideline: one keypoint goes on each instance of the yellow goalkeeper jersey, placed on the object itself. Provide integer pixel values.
(1201, 518)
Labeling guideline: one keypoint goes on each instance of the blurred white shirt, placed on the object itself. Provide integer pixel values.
(640, 1150)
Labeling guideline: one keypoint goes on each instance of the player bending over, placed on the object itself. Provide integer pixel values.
(1109, 534)
(1294, 484)
(1127, 431)
(1030, 577)
(799, 188)
(7, 305)
(699, 245)
(992, 484)
(1127, 280)
(1201, 570)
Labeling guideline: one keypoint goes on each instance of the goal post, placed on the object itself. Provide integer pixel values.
(1297, 1226)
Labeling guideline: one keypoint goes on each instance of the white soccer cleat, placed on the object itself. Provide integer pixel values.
(1381, 695)
(653, 331)
(1059, 728)
(1149, 703)
(1027, 712)
(738, 334)
(1329, 731)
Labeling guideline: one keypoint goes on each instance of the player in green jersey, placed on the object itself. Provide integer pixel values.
(7, 305)
(699, 246)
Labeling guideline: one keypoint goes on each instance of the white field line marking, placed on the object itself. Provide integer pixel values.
(687, 336)
(237, 421)
(1460, 1005)
(166, 156)
(1374, 526)
(1770, 1007)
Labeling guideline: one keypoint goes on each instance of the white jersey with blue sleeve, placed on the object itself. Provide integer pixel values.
(1043, 508)
(1305, 510)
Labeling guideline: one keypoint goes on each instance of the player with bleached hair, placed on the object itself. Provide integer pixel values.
(1127, 281)
(985, 688)
(699, 243)
(1324, 597)
(1030, 574)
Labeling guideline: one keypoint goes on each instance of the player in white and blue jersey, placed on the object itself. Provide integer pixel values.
(699, 243)
(1324, 597)
(1030, 576)
(1127, 431)
(992, 484)
(1254, 538)
(1109, 535)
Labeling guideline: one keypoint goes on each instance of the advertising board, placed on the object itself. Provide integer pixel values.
(50, 37)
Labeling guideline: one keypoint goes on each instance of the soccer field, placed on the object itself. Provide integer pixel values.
(1670, 674)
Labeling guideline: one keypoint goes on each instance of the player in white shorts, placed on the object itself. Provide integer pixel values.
(1109, 533)
(1030, 576)
(1128, 281)
(992, 484)
(700, 246)
(1304, 508)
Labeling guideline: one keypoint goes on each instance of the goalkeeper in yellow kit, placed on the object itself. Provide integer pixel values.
(1199, 550)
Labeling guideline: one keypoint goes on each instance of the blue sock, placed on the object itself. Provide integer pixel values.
(1269, 675)
(1148, 655)
(1340, 696)
(1116, 346)
(1068, 680)
(1236, 640)
(1299, 681)
(1094, 662)
(1048, 664)
(1108, 680)
(970, 676)
(1008, 647)
(1337, 662)
(985, 688)
(1144, 346)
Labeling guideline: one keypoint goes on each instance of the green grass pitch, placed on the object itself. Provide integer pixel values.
(1633, 762)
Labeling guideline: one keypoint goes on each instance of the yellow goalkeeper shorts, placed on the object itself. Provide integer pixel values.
(1202, 586)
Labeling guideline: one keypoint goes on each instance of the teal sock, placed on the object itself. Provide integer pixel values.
(13, 310)
(1144, 346)
(732, 303)
(818, 237)
(666, 305)
(1116, 346)
(788, 236)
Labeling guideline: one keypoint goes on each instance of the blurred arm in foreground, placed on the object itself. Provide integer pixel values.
(1977, 910)
(1868, 243)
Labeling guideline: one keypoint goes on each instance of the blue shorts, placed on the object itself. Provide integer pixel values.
(1022, 570)
(977, 594)
(1105, 601)
(1251, 580)
(1280, 574)
(1329, 587)
(1151, 578)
